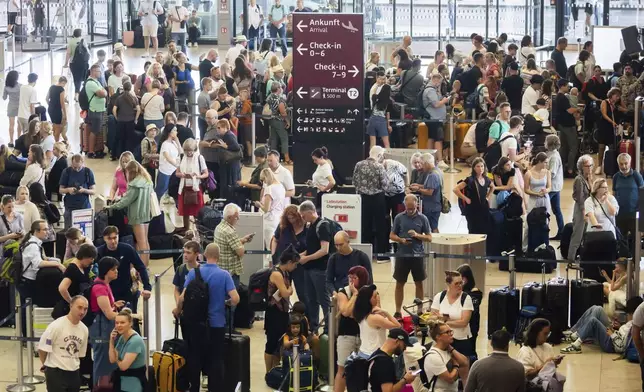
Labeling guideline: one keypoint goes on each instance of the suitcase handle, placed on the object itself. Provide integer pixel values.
(543, 274)
(578, 268)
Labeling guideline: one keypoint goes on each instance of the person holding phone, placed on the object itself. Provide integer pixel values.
(382, 374)
(12, 226)
(444, 360)
(127, 351)
(535, 352)
(601, 208)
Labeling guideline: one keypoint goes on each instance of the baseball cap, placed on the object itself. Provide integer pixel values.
(400, 334)
(562, 82)
(536, 79)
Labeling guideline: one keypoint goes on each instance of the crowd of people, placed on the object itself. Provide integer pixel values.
(143, 119)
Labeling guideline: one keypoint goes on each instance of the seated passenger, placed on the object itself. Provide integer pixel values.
(595, 325)
(294, 335)
(535, 352)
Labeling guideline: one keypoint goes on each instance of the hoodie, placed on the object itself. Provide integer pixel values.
(136, 200)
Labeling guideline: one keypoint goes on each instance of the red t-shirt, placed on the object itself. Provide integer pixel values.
(100, 289)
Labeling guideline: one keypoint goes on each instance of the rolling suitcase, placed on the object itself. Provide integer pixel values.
(556, 309)
(584, 293)
(564, 244)
(237, 362)
(244, 316)
(598, 246)
(495, 233)
(610, 161)
(308, 375)
(534, 294)
(503, 310)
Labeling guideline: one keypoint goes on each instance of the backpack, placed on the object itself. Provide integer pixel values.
(512, 207)
(197, 296)
(494, 152)
(81, 55)
(429, 383)
(51, 213)
(83, 99)
(258, 289)
(482, 134)
(472, 101)
(261, 64)
(8, 267)
(526, 315)
(15, 270)
(466, 192)
(334, 229)
(421, 110)
(356, 372)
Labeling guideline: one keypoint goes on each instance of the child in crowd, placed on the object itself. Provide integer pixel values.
(299, 309)
(245, 109)
(149, 151)
(294, 334)
(485, 102)
(542, 114)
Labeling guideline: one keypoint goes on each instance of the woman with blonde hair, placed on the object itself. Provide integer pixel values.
(47, 141)
(127, 352)
(152, 105)
(119, 184)
(137, 200)
(272, 203)
(600, 208)
(53, 180)
(155, 72)
(374, 59)
(23, 205)
(191, 171)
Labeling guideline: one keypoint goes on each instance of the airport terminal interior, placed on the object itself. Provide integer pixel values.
(387, 23)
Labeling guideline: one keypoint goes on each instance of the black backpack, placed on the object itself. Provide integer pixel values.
(83, 99)
(196, 298)
(482, 134)
(258, 288)
(494, 152)
(334, 228)
(81, 55)
(356, 372)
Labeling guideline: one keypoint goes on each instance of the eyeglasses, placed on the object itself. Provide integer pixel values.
(450, 332)
(458, 283)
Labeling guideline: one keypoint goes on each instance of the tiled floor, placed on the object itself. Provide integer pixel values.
(591, 371)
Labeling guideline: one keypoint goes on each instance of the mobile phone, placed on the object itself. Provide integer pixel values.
(416, 372)
(251, 235)
(445, 315)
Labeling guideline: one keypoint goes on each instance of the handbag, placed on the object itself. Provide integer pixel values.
(155, 208)
(227, 156)
(190, 197)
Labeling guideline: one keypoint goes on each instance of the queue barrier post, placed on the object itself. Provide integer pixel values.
(633, 266)
(157, 310)
(31, 64)
(333, 312)
(451, 168)
(146, 325)
(253, 134)
(30, 378)
(20, 385)
(513, 271)
(296, 367)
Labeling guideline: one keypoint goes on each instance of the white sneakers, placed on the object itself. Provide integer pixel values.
(442, 165)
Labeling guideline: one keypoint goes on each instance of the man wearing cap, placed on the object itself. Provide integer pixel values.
(531, 94)
(512, 86)
(233, 53)
(564, 113)
(149, 10)
(382, 370)
(179, 15)
(277, 16)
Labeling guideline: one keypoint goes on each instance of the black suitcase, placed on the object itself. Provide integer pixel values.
(534, 294)
(556, 309)
(161, 36)
(138, 37)
(503, 310)
(237, 362)
(6, 306)
(564, 243)
(584, 293)
(543, 265)
(61, 244)
(244, 316)
(160, 242)
(598, 246)
(610, 161)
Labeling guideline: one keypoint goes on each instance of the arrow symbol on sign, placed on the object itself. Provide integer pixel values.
(299, 129)
(356, 112)
(299, 111)
(355, 71)
(300, 26)
(299, 120)
(300, 49)
(301, 92)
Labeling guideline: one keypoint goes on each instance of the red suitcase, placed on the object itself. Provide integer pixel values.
(628, 147)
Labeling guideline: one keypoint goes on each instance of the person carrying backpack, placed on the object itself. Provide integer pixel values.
(436, 109)
(77, 60)
(382, 369)
(207, 292)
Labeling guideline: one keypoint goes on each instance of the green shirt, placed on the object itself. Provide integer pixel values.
(96, 103)
(277, 13)
(497, 130)
(134, 345)
(71, 47)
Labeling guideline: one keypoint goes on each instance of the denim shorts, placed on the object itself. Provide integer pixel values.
(433, 217)
(95, 121)
(377, 126)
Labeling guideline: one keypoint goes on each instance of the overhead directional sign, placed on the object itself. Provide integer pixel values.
(328, 65)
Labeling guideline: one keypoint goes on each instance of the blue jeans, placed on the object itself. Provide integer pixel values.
(253, 34)
(592, 325)
(316, 285)
(163, 181)
(274, 31)
(299, 278)
(232, 309)
(555, 203)
(180, 39)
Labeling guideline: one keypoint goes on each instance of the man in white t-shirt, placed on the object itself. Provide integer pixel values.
(62, 345)
(444, 362)
(233, 53)
(28, 101)
(149, 11)
(282, 174)
(255, 18)
(178, 16)
(531, 94)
